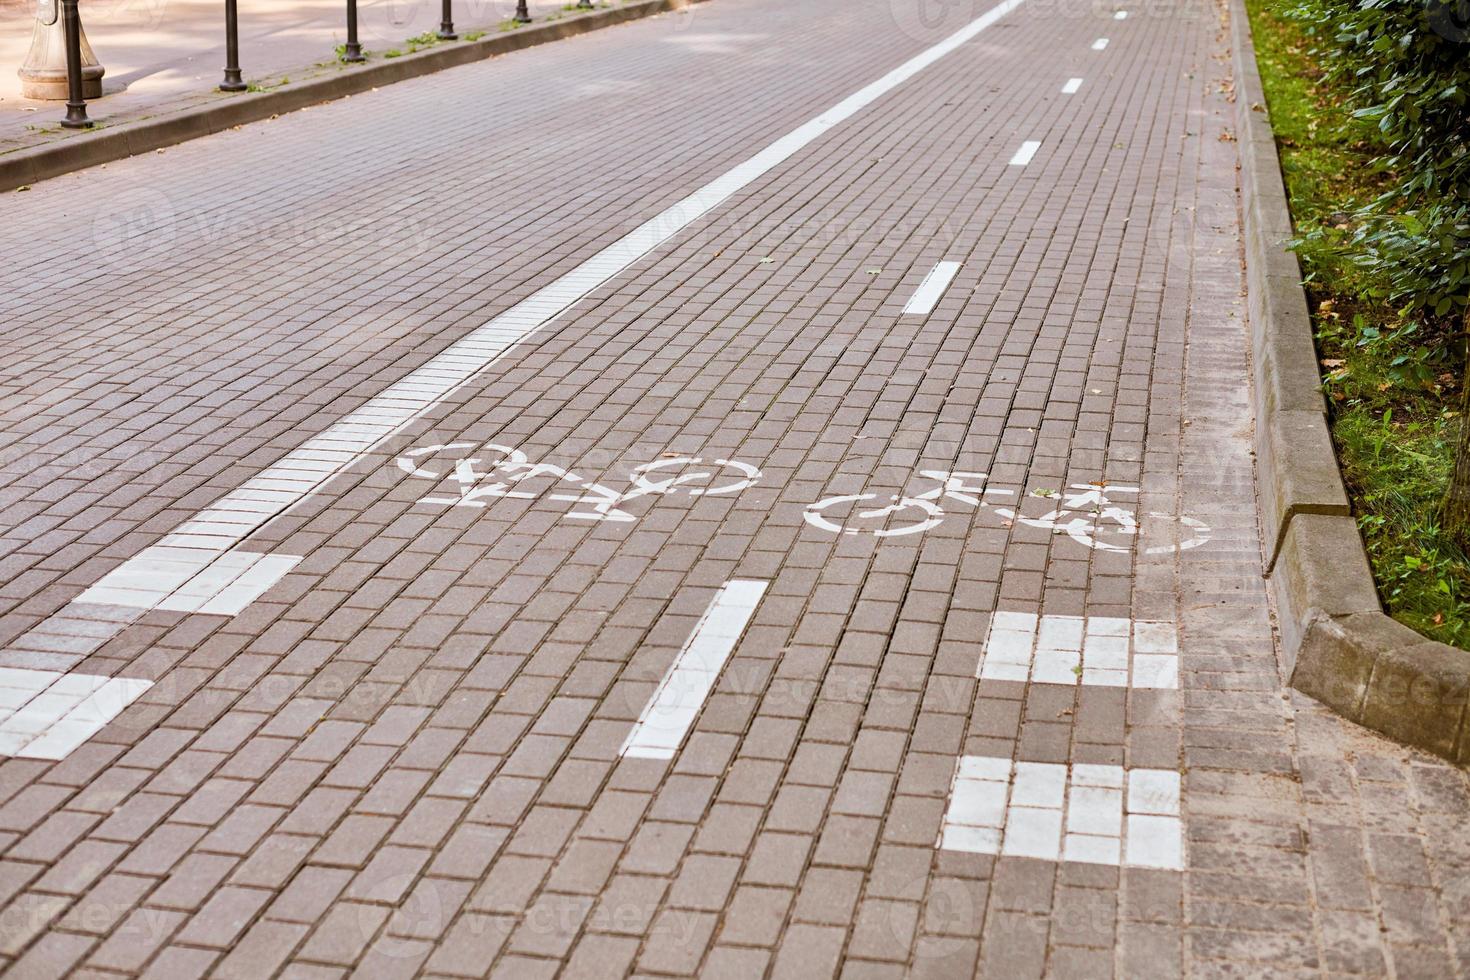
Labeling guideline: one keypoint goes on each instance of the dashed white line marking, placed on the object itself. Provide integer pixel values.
(933, 287)
(1073, 84)
(1097, 814)
(197, 543)
(1121, 15)
(671, 711)
(1101, 651)
(1099, 44)
(45, 714)
(1025, 153)
(170, 578)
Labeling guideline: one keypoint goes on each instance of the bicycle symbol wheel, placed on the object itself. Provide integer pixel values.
(682, 480)
(931, 517)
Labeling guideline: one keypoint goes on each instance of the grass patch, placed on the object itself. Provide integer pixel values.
(1391, 385)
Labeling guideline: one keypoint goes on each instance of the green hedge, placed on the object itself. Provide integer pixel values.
(1406, 65)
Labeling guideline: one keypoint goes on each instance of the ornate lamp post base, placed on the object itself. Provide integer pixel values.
(43, 73)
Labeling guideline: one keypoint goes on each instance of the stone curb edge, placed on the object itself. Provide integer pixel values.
(28, 166)
(1337, 644)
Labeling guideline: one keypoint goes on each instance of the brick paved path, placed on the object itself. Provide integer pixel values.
(633, 693)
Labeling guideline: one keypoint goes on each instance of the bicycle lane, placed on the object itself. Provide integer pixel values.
(831, 719)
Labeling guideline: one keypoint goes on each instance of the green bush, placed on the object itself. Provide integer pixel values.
(1406, 67)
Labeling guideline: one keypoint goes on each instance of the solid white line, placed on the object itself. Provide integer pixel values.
(1099, 44)
(1073, 84)
(1025, 153)
(670, 713)
(196, 543)
(933, 287)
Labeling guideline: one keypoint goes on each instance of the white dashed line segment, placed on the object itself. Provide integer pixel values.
(1095, 651)
(1073, 84)
(1099, 44)
(1025, 153)
(1096, 814)
(45, 714)
(933, 287)
(671, 711)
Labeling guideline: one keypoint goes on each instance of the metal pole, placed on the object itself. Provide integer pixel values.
(446, 22)
(232, 82)
(76, 103)
(352, 50)
(523, 16)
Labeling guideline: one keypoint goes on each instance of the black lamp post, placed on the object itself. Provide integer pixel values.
(446, 22)
(352, 51)
(523, 16)
(232, 81)
(76, 103)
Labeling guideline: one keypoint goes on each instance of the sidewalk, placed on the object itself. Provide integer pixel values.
(164, 55)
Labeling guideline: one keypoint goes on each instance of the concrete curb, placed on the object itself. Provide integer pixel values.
(114, 143)
(1337, 643)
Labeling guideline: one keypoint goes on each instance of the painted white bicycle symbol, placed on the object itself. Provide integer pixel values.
(1085, 514)
(484, 472)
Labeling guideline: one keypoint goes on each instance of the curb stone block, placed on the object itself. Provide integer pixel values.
(1337, 644)
(1298, 475)
(1321, 569)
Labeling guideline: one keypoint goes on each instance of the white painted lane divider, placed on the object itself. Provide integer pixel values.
(45, 714)
(1025, 153)
(1121, 15)
(1097, 814)
(1073, 84)
(172, 566)
(933, 287)
(1103, 651)
(671, 711)
(1099, 44)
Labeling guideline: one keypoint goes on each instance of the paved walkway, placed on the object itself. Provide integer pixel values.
(166, 55)
(764, 495)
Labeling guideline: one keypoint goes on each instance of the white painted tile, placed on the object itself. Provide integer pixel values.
(994, 670)
(933, 287)
(1114, 626)
(1095, 810)
(1033, 832)
(1010, 648)
(25, 679)
(1155, 842)
(976, 840)
(1041, 784)
(1154, 791)
(978, 803)
(1060, 633)
(13, 697)
(1072, 86)
(1099, 44)
(1025, 153)
(1093, 677)
(1121, 15)
(1154, 670)
(670, 713)
(1055, 667)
